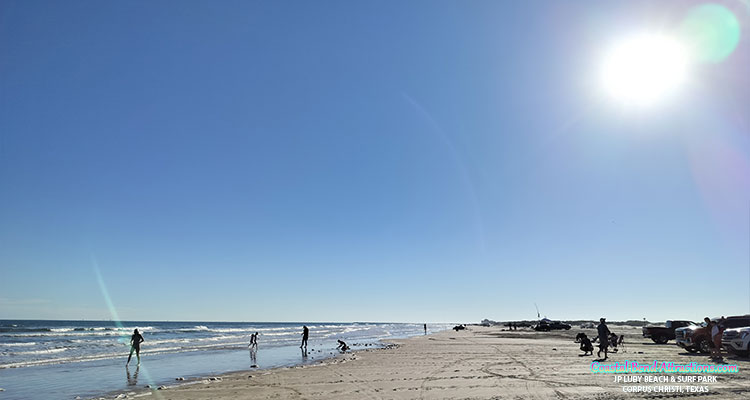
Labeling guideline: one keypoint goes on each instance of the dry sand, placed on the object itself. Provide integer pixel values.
(479, 363)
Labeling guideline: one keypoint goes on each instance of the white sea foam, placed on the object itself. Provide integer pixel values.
(62, 333)
(48, 361)
(155, 351)
(42, 351)
(280, 334)
(26, 344)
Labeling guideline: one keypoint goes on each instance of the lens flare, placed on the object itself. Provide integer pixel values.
(711, 31)
(107, 299)
(124, 338)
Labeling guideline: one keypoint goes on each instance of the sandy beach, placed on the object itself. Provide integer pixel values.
(192, 189)
(479, 363)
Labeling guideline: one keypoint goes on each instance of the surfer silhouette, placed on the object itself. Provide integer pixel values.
(135, 345)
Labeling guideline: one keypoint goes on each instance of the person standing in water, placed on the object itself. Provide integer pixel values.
(135, 345)
(305, 334)
(425, 329)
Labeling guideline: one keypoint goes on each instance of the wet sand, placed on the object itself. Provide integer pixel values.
(479, 363)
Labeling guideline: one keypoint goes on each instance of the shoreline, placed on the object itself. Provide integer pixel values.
(186, 382)
(480, 363)
(92, 355)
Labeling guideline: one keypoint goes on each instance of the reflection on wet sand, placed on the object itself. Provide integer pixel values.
(132, 379)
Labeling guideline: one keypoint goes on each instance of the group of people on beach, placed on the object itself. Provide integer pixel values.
(342, 346)
(606, 339)
(136, 339)
(609, 340)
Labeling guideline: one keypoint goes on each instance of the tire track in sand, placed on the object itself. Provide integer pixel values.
(532, 375)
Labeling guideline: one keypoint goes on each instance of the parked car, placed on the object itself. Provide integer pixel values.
(697, 338)
(663, 334)
(737, 341)
(546, 325)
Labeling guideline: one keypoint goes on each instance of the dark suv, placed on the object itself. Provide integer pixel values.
(546, 325)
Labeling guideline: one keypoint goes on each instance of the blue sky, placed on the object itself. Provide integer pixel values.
(362, 161)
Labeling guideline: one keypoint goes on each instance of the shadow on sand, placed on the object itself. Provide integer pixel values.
(696, 354)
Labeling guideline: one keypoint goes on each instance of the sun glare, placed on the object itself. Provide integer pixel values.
(642, 70)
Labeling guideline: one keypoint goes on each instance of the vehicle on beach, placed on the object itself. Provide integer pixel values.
(546, 325)
(692, 338)
(737, 341)
(663, 334)
(695, 338)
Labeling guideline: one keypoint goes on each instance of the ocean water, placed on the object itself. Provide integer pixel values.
(66, 359)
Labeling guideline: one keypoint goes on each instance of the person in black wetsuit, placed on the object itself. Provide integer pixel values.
(603, 334)
(135, 345)
(305, 334)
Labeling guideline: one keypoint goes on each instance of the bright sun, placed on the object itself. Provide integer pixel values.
(642, 70)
